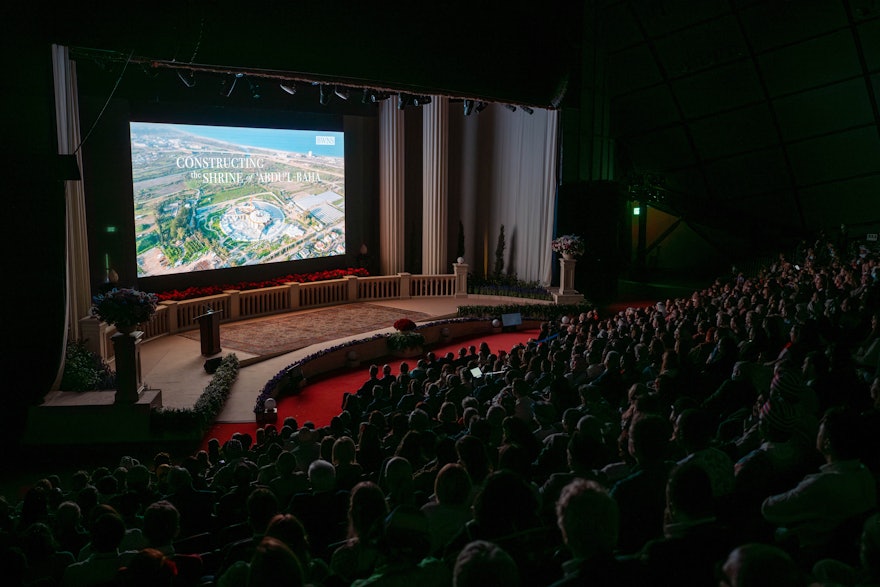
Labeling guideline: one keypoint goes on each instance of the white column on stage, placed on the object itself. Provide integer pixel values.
(435, 161)
(392, 227)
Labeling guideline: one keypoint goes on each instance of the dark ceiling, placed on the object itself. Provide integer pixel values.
(762, 114)
(751, 113)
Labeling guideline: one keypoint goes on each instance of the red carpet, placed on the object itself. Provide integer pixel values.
(321, 399)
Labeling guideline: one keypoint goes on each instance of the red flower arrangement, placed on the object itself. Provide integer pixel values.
(404, 324)
(177, 295)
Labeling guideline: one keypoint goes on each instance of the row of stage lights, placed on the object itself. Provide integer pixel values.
(327, 91)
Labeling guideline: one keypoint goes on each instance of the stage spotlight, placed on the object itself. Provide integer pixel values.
(255, 88)
(378, 96)
(188, 78)
(481, 106)
(342, 93)
(468, 107)
(228, 84)
(527, 110)
(402, 101)
(421, 100)
(324, 96)
(510, 107)
(289, 88)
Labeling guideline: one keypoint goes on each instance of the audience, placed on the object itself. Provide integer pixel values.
(725, 437)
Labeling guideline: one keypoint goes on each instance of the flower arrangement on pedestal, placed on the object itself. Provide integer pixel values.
(124, 308)
(568, 245)
(406, 337)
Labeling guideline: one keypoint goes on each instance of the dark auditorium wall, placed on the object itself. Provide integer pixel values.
(597, 210)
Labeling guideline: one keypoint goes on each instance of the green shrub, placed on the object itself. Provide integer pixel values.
(84, 370)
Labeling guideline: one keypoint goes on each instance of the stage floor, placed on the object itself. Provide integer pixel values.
(174, 364)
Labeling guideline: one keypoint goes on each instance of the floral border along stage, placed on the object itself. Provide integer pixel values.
(568, 244)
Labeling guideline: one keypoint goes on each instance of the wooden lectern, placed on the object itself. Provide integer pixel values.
(209, 332)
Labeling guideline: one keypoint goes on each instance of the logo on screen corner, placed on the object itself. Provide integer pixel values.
(321, 140)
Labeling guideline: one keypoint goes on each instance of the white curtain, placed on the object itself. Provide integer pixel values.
(78, 294)
(508, 163)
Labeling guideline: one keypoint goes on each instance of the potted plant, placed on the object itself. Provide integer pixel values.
(568, 245)
(124, 308)
(406, 341)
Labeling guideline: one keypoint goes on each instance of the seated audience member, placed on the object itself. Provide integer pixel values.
(450, 508)
(505, 512)
(693, 541)
(287, 481)
(865, 571)
(161, 528)
(483, 564)
(274, 565)
(68, 529)
(348, 470)
(760, 565)
(196, 507)
(322, 510)
(148, 568)
(589, 522)
(357, 556)
(45, 562)
(404, 545)
(819, 512)
(102, 565)
(641, 495)
(694, 431)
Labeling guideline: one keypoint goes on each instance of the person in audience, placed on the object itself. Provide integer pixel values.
(827, 508)
(404, 545)
(102, 565)
(641, 495)
(274, 565)
(760, 565)
(483, 564)
(450, 507)
(322, 510)
(589, 521)
(693, 541)
(357, 556)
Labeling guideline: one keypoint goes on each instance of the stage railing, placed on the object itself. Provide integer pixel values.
(173, 317)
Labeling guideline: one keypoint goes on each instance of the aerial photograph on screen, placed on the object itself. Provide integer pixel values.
(211, 197)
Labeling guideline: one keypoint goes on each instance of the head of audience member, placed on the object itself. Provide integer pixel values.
(840, 436)
(649, 438)
(484, 564)
(760, 565)
(322, 476)
(344, 451)
(452, 486)
(262, 505)
(689, 495)
(366, 510)
(161, 523)
(405, 535)
(107, 532)
(274, 564)
(472, 455)
(588, 518)
(506, 503)
(694, 430)
(288, 529)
